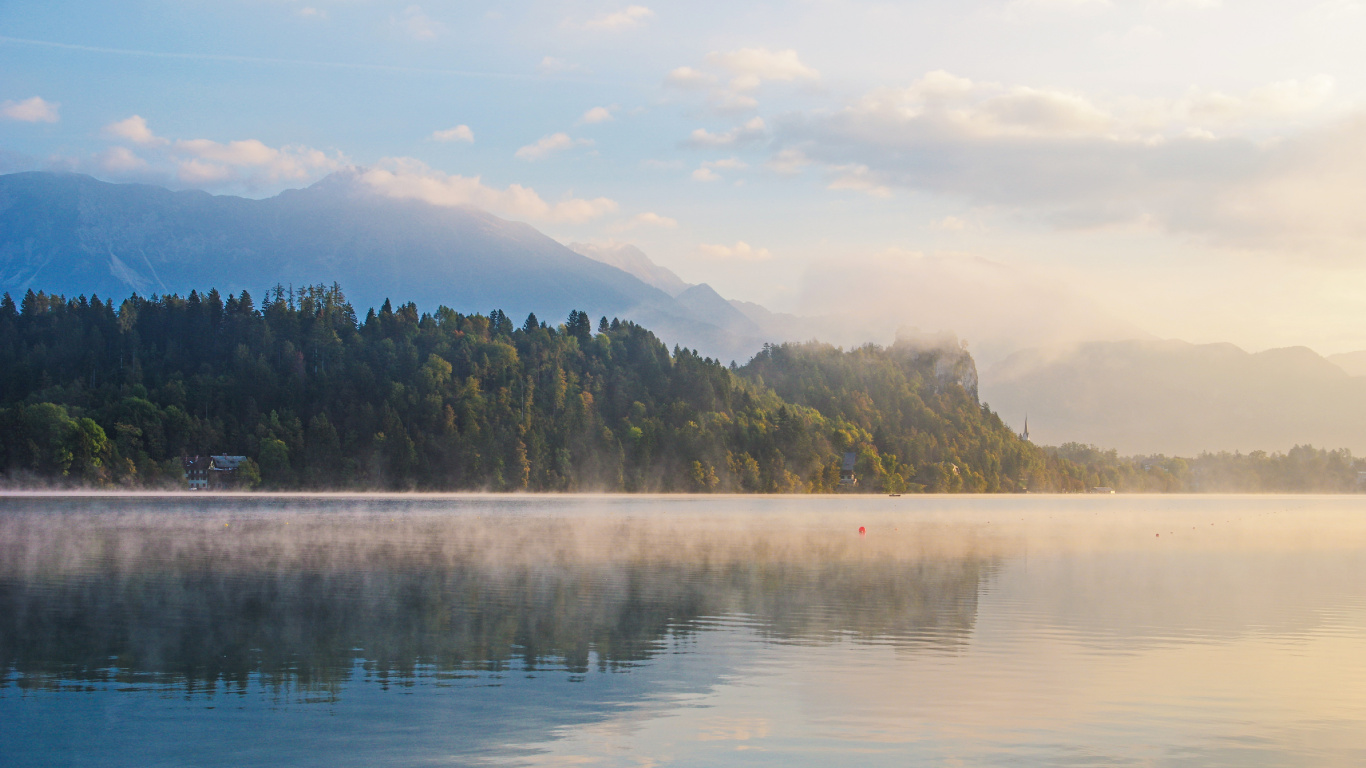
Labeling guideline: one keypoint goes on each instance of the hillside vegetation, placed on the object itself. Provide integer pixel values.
(97, 394)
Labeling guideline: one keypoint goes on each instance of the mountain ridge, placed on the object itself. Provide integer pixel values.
(78, 235)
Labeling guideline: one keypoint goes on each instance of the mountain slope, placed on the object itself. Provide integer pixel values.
(72, 234)
(633, 261)
(1172, 397)
(1354, 363)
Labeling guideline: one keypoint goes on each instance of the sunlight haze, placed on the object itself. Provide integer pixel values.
(1178, 169)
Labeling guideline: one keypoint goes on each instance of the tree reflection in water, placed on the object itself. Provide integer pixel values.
(295, 594)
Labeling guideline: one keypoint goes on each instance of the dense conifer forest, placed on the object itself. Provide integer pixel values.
(98, 394)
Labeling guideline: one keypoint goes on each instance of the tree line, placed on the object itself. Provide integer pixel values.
(95, 394)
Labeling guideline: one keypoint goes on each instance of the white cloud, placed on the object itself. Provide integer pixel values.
(1200, 164)
(309, 12)
(950, 224)
(1284, 98)
(654, 220)
(458, 133)
(788, 161)
(410, 179)
(247, 164)
(598, 115)
(688, 78)
(750, 67)
(626, 18)
(134, 129)
(199, 173)
(201, 161)
(31, 110)
(549, 145)
(858, 178)
(741, 251)
(752, 131)
(707, 172)
(121, 160)
(415, 23)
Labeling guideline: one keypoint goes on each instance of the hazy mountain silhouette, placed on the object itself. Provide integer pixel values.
(1354, 363)
(73, 234)
(1173, 397)
(630, 259)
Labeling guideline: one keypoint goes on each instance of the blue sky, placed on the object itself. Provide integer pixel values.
(1019, 171)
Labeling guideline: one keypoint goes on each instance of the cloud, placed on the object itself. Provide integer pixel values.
(1237, 170)
(688, 78)
(406, 178)
(598, 115)
(950, 224)
(553, 66)
(134, 129)
(741, 251)
(858, 178)
(121, 160)
(752, 131)
(750, 67)
(654, 220)
(458, 133)
(627, 18)
(202, 161)
(997, 307)
(788, 161)
(730, 163)
(707, 171)
(309, 12)
(243, 164)
(547, 146)
(31, 110)
(415, 23)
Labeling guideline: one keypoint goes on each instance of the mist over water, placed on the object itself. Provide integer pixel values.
(353, 630)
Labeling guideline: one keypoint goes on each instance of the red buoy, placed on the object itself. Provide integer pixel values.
(861, 531)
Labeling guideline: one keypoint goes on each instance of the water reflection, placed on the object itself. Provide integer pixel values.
(631, 630)
(288, 594)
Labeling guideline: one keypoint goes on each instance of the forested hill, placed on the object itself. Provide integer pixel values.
(95, 393)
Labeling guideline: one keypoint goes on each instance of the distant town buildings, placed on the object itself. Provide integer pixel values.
(204, 473)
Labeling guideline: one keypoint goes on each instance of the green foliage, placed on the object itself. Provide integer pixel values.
(319, 399)
(1303, 469)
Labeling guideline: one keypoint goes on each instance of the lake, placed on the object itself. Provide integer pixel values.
(689, 631)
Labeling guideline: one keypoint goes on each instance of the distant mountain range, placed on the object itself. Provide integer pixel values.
(73, 234)
(1143, 397)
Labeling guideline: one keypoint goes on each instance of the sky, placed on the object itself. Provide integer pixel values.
(1021, 172)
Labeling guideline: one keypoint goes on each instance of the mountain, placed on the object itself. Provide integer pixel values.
(1354, 363)
(633, 261)
(73, 234)
(1172, 397)
(703, 300)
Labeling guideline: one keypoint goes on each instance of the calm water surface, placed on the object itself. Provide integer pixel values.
(637, 631)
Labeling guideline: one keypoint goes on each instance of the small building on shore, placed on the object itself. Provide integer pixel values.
(847, 476)
(205, 473)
